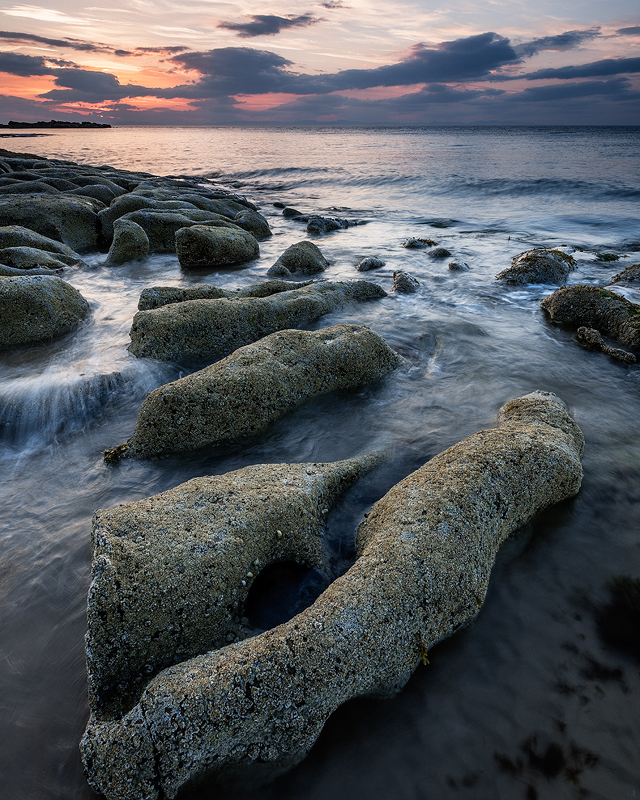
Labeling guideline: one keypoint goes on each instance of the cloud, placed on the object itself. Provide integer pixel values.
(568, 40)
(595, 69)
(618, 87)
(634, 31)
(27, 66)
(88, 86)
(268, 24)
(332, 4)
(90, 47)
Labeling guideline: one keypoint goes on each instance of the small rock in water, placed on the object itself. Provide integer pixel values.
(371, 262)
(607, 257)
(130, 242)
(458, 266)
(439, 252)
(413, 243)
(593, 339)
(303, 257)
(629, 275)
(538, 266)
(319, 225)
(287, 211)
(404, 283)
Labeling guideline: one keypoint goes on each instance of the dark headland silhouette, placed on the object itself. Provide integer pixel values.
(54, 123)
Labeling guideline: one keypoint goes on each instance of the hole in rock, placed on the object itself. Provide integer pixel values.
(281, 591)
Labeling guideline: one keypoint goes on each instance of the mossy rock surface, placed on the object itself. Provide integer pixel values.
(205, 246)
(538, 266)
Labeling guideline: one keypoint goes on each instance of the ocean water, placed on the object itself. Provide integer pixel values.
(529, 702)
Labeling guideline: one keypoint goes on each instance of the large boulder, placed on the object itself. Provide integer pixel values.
(246, 392)
(162, 226)
(538, 266)
(304, 258)
(130, 242)
(254, 223)
(34, 308)
(207, 246)
(424, 559)
(207, 538)
(209, 329)
(18, 236)
(594, 307)
(32, 257)
(71, 220)
(157, 296)
(628, 275)
(118, 208)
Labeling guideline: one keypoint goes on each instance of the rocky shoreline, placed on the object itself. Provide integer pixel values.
(167, 708)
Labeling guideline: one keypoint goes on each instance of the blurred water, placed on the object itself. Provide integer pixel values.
(478, 722)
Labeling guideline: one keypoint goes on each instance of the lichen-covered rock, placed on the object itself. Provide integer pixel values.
(246, 392)
(254, 223)
(371, 262)
(196, 548)
(206, 246)
(118, 208)
(130, 242)
(403, 283)
(594, 341)
(595, 307)
(32, 257)
(413, 243)
(157, 296)
(34, 308)
(304, 258)
(425, 554)
(629, 275)
(17, 236)
(209, 329)
(71, 220)
(162, 226)
(538, 266)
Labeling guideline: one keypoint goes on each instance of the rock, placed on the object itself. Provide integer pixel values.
(304, 258)
(439, 252)
(594, 341)
(316, 226)
(278, 204)
(30, 258)
(243, 394)
(17, 236)
(34, 308)
(365, 264)
(404, 283)
(458, 266)
(418, 244)
(118, 208)
(538, 266)
(32, 187)
(157, 296)
(595, 307)
(162, 226)
(629, 275)
(97, 191)
(71, 220)
(209, 329)
(226, 207)
(424, 558)
(10, 272)
(287, 211)
(254, 223)
(93, 179)
(130, 242)
(196, 541)
(607, 257)
(206, 246)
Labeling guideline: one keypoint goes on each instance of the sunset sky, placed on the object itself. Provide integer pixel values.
(366, 62)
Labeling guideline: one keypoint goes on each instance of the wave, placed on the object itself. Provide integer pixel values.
(517, 187)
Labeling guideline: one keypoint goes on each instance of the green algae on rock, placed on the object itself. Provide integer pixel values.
(36, 307)
(424, 558)
(209, 329)
(595, 307)
(71, 220)
(130, 242)
(538, 266)
(628, 275)
(243, 394)
(302, 257)
(157, 296)
(206, 246)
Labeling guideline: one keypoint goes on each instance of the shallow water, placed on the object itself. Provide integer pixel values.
(528, 702)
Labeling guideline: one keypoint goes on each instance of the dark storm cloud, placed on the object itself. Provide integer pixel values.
(268, 24)
(86, 86)
(562, 41)
(617, 88)
(242, 70)
(28, 66)
(595, 69)
(90, 47)
(634, 31)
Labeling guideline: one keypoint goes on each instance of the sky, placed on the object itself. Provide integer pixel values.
(344, 62)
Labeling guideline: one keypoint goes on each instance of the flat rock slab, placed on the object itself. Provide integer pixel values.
(34, 308)
(425, 554)
(196, 548)
(538, 266)
(595, 307)
(157, 296)
(209, 329)
(243, 394)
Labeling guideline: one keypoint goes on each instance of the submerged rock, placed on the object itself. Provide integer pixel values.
(71, 220)
(458, 266)
(424, 558)
(403, 283)
(303, 258)
(595, 307)
(130, 242)
(538, 266)
(206, 246)
(196, 548)
(629, 275)
(593, 339)
(209, 329)
(371, 262)
(246, 392)
(157, 296)
(34, 308)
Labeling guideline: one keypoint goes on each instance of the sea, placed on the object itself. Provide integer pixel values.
(530, 702)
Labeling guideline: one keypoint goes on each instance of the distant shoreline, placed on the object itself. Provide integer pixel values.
(53, 123)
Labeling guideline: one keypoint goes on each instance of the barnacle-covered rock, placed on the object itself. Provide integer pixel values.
(538, 266)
